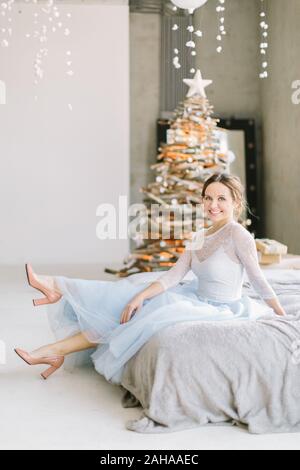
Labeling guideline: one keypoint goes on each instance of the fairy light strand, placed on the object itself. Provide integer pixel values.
(193, 35)
(264, 44)
(46, 20)
(175, 28)
(190, 44)
(220, 9)
(6, 29)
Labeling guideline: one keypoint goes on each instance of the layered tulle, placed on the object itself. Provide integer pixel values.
(95, 308)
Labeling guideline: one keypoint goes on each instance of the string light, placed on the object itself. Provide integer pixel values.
(264, 41)
(194, 35)
(47, 19)
(6, 30)
(190, 44)
(175, 28)
(48, 14)
(220, 9)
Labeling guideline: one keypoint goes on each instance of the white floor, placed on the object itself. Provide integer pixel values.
(80, 410)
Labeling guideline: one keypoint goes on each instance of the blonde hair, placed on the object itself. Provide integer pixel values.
(236, 188)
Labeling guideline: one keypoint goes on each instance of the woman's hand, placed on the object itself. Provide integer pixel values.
(281, 313)
(276, 306)
(131, 308)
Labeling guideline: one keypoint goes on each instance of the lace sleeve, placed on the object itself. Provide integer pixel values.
(247, 253)
(174, 275)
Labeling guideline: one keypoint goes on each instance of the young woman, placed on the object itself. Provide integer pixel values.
(117, 318)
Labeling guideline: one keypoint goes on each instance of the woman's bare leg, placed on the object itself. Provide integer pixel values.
(75, 343)
(78, 342)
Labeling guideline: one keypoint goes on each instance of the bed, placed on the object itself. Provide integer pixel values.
(230, 373)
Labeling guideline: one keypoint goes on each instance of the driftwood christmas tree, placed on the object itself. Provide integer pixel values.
(195, 149)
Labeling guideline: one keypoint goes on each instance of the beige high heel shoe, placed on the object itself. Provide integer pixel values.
(50, 296)
(55, 362)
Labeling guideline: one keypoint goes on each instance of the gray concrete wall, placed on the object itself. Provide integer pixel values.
(281, 125)
(145, 33)
(237, 91)
(235, 88)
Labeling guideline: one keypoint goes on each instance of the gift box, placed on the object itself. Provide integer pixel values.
(268, 259)
(270, 247)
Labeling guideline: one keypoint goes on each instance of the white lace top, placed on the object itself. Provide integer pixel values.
(219, 266)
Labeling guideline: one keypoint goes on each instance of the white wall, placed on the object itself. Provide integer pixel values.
(57, 165)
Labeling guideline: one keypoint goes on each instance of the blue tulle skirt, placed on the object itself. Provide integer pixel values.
(95, 307)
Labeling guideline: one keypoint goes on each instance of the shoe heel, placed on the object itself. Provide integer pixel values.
(48, 372)
(43, 301)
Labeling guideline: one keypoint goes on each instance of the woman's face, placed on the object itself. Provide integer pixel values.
(218, 202)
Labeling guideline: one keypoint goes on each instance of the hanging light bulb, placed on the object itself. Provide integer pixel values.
(189, 4)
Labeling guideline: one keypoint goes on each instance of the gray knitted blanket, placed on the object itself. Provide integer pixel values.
(243, 373)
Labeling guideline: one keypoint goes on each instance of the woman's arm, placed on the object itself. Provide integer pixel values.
(174, 275)
(247, 253)
(276, 306)
(137, 302)
(169, 279)
(154, 289)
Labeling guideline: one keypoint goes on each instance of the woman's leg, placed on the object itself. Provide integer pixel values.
(75, 343)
